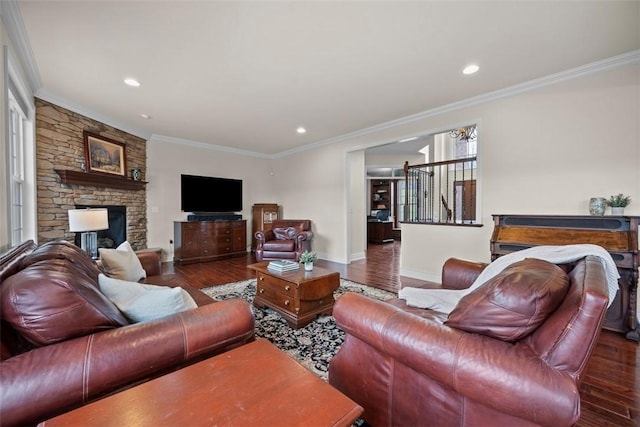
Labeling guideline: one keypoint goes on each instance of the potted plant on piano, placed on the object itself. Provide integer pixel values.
(618, 203)
(308, 258)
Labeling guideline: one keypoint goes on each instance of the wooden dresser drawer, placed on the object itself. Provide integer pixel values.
(207, 242)
(201, 241)
(224, 240)
(222, 226)
(191, 226)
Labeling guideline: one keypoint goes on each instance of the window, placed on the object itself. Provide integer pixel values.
(17, 143)
(18, 221)
(445, 189)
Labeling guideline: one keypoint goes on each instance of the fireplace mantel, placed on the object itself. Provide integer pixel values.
(71, 177)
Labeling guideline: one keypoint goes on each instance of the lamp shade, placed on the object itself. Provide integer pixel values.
(81, 220)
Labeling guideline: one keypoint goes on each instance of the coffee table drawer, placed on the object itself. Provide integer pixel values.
(285, 302)
(275, 284)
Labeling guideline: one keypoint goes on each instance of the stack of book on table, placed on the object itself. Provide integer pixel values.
(283, 265)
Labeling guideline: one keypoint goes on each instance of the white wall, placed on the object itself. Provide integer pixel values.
(545, 151)
(393, 160)
(312, 185)
(167, 160)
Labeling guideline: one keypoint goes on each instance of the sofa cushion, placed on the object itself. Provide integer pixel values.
(513, 303)
(279, 246)
(46, 305)
(122, 263)
(285, 233)
(140, 302)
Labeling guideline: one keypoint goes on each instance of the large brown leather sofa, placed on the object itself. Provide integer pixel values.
(408, 367)
(39, 380)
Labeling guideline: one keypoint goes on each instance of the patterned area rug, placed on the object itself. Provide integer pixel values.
(314, 345)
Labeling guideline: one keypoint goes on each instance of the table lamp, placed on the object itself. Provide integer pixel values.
(87, 222)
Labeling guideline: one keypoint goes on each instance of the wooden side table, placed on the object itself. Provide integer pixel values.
(299, 296)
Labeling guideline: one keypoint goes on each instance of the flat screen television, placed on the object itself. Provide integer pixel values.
(204, 194)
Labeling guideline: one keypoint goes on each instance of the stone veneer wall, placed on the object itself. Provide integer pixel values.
(60, 145)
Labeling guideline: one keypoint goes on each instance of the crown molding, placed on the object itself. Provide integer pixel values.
(12, 18)
(48, 96)
(207, 146)
(628, 58)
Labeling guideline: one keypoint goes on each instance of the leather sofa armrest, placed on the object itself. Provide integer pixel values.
(304, 235)
(151, 262)
(460, 274)
(493, 372)
(264, 236)
(50, 380)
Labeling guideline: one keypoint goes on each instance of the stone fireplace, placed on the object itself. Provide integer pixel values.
(60, 146)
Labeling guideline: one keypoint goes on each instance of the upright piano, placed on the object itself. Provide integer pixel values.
(617, 234)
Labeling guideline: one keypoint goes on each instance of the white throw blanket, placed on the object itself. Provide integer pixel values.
(445, 300)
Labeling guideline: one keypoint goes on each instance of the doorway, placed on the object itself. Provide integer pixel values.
(434, 146)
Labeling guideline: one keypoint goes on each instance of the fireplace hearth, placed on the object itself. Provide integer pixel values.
(117, 232)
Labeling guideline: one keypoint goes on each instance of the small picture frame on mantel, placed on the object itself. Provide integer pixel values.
(104, 155)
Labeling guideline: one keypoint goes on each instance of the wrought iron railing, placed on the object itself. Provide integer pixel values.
(441, 192)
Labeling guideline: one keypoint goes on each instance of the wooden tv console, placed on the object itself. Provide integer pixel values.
(201, 241)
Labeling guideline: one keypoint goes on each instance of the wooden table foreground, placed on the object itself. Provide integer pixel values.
(255, 384)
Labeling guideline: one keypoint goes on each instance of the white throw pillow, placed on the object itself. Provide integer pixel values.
(122, 263)
(140, 302)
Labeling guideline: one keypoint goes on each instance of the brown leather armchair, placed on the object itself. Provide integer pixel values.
(287, 239)
(408, 366)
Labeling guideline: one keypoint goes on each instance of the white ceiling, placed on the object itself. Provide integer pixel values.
(246, 74)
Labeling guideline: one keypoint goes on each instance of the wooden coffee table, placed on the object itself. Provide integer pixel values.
(299, 296)
(253, 385)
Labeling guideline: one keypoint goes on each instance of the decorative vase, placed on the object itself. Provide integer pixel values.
(136, 174)
(308, 266)
(617, 210)
(597, 205)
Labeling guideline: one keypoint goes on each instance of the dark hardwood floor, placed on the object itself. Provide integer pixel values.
(610, 393)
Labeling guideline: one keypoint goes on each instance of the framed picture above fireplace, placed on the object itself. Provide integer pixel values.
(104, 155)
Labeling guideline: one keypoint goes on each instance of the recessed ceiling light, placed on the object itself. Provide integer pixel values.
(470, 69)
(301, 130)
(131, 82)
(145, 116)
